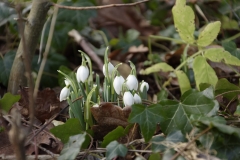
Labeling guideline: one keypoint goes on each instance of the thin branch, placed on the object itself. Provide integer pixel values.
(98, 7)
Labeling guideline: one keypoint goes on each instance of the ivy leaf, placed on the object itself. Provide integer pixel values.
(183, 17)
(223, 86)
(146, 117)
(70, 128)
(223, 138)
(72, 148)
(208, 34)
(176, 115)
(164, 67)
(203, 72)
(220, 55)
(5, 66)
(115, 149)
(183, 81)
(8, 100)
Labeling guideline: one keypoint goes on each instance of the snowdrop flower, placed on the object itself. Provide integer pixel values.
(64, 94)
(110, 69)
(67, 82)
(137, 98)
(117, 84)
(144, 84)
(128, 99)
(132, 82)
(82, 73)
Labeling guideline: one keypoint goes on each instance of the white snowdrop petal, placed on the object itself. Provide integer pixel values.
(137, 98)
(82, 73)
(132, 82)
(64, 94)
(144, 84)
(117, 84)
(67, 82)
(128, 99)
(110, 69)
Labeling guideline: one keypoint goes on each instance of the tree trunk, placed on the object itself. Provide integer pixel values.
(32, 32)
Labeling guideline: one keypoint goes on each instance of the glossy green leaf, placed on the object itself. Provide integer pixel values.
(5, 66)
(164, 67)
(231, 47)
(8, 100)
(220, 55)
(183, 81)
(70, 128)
(183, 17)
(227, 89)
(115, 149)
(203, 72)
(176, 115)
(147, 118)
(7, 13)
(72, 147)
(113, 135)
(208, 34)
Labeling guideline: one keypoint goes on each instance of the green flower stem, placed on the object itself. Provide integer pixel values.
(133, 71)
(106, 64)
(74, 87)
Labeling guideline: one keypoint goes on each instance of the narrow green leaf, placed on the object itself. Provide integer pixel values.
(223, 86)
(176, 115)
(8, 100)
(208, 34)
(183, 17)
(220, 55)
(183, 81)
(115, 149)
(72, 147)
(146, 117)
(164, 67)
(237, 112)
(70, 128)
(203, 72)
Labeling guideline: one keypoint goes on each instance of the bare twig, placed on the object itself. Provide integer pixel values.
(98, 7)
(81, 41)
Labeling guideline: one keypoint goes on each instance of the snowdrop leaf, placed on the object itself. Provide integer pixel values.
(147, 118)
(115, 149)
(176, 115)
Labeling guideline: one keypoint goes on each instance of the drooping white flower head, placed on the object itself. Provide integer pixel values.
(110, 69)
(82, 73)
(137, 98)
(128, 99)
(144, 84)
(117, 84)
(64, 94)
(132, 82)
(67, 82)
